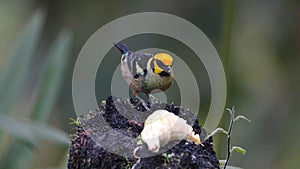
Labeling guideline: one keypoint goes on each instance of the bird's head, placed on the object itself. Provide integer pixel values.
(162, 64)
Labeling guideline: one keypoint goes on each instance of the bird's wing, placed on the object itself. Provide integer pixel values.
(138, 63)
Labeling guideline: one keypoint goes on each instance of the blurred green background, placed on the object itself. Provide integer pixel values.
(258, 42)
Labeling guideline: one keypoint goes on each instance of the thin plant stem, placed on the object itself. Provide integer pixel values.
(229, 136)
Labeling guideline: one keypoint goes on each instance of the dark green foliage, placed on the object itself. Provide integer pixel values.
(18, 151)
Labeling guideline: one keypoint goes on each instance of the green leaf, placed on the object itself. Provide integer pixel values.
(139, 140)
(238, 149)
(52, 76)
(216, 131)
(46, 132)
(31, 132)
(17, 129)
(16, 68)
(242, 118)
(222, 162)
(74, 121)
(12, 78)
(49, 85)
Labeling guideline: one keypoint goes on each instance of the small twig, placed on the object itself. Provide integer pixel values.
(137, 157)
(232, 111)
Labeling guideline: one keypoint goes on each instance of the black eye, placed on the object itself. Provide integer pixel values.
(161, 65)
(165, 74)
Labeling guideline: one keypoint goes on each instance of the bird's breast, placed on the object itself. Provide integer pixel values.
(154, 81)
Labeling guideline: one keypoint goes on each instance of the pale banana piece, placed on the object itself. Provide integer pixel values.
(161, 127)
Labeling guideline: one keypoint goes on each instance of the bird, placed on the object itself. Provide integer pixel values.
(145, 72)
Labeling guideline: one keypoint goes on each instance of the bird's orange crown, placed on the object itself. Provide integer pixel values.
(165, 58)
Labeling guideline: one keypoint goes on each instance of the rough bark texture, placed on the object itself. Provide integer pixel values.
(86, 149)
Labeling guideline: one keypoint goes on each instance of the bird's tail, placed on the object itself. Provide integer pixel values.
(122, 47)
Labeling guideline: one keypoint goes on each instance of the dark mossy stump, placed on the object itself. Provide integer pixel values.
(107, 127)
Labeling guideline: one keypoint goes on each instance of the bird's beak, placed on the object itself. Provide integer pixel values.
(169, 69)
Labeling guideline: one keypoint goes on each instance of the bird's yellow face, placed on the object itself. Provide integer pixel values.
(162, 62)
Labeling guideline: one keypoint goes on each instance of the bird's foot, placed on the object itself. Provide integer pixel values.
(141, 101)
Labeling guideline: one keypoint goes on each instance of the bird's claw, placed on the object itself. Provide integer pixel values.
(141, 101)
(144, 105)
